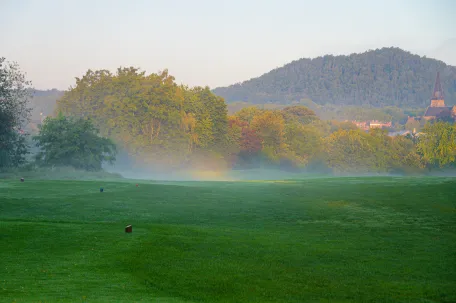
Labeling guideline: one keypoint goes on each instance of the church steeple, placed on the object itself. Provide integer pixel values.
(437, 95)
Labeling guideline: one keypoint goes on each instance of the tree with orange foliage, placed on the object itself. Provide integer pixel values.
(270, 127)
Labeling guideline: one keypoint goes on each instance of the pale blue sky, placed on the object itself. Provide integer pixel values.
(210, 42)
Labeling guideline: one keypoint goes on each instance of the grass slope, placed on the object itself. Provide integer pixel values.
(317, 240)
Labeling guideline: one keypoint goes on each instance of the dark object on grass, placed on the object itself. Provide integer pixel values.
(136, 185)
(128, 229)
(22, 179)
(101, 189)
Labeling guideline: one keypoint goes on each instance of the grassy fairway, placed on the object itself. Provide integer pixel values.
(317, 240)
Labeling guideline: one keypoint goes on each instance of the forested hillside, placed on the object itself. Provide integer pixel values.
(383, 77)
(44, 101)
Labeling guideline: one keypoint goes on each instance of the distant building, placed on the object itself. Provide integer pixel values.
(366, 125)
(437, 109)
(379, 124)
(361, 124)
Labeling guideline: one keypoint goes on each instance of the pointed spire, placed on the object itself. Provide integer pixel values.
(438, 92)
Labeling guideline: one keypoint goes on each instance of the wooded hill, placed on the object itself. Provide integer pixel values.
(44, 101)
(382, 77)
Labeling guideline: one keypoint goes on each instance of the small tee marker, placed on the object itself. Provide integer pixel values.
(128, 229)
(22, 179)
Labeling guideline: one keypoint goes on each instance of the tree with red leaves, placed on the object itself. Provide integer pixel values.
(250, 141)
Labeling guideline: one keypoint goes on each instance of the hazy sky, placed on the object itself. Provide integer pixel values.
(210, 42)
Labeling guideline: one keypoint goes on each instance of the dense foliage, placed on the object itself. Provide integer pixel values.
(169, 126)
(151, 117)
(438, 144)
(14, 114)
(65, 141)
(295, 137)
(398, 116)
(383, 77)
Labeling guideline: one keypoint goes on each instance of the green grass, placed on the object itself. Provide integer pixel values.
(377, 239)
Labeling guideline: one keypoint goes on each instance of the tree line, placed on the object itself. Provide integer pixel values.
(169, 126)
(398, 116)
(161, 123)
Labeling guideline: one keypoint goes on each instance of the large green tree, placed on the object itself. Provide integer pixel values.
(14, 114)
(66, 141)
(358, 151)
(270, 127)
(305, 143)
(155, 120)
(438, 144)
